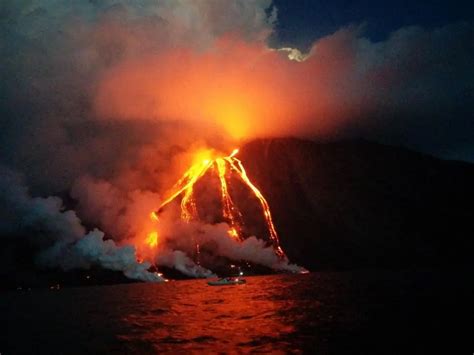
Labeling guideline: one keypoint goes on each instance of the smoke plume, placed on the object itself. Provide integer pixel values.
(60, 234)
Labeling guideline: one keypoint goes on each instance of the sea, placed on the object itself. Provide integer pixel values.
(357, 312)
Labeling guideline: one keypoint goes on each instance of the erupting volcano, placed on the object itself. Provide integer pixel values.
(224, 167)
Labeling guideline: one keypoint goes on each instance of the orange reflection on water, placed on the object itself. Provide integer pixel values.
(192, 316)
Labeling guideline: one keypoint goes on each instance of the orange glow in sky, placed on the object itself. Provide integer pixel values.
(244, 88)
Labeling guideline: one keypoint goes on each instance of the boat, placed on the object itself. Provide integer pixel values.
(227, 281)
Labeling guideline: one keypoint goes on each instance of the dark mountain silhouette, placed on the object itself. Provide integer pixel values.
(359, 204)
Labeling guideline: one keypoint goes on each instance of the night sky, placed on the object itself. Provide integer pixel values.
(301, 22)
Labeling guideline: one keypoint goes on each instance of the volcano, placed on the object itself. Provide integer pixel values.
(345, 205)
(223, 167)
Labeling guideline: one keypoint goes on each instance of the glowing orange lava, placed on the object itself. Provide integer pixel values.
(152, 239)
(224, 166)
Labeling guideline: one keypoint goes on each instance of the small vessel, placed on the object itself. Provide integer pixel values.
(227, 281)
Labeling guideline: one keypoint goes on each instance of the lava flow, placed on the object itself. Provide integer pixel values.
(223, 166)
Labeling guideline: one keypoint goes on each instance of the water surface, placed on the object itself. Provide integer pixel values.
(351, 312)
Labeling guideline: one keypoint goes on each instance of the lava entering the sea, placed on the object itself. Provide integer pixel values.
(224, 167)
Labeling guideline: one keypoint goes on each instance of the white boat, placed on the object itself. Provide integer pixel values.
(227, 281)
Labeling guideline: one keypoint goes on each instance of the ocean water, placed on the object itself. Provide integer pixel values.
(328, 313)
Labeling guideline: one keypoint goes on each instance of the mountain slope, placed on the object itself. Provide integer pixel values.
(360, 204)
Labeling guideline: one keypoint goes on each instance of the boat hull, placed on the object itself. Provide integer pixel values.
(226, 283)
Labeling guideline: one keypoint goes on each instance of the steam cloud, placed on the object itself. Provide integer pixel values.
(62, 235)
(104, 100)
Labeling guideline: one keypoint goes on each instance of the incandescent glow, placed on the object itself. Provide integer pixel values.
(224, 167)
(234, 152)
(152, 239)
(242, 87)
(239, 168)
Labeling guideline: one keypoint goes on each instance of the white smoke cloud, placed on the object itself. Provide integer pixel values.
(180, 261)
(22, 212)
(184, 236)
(251, 249)
(94, 250)
(63, 238)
